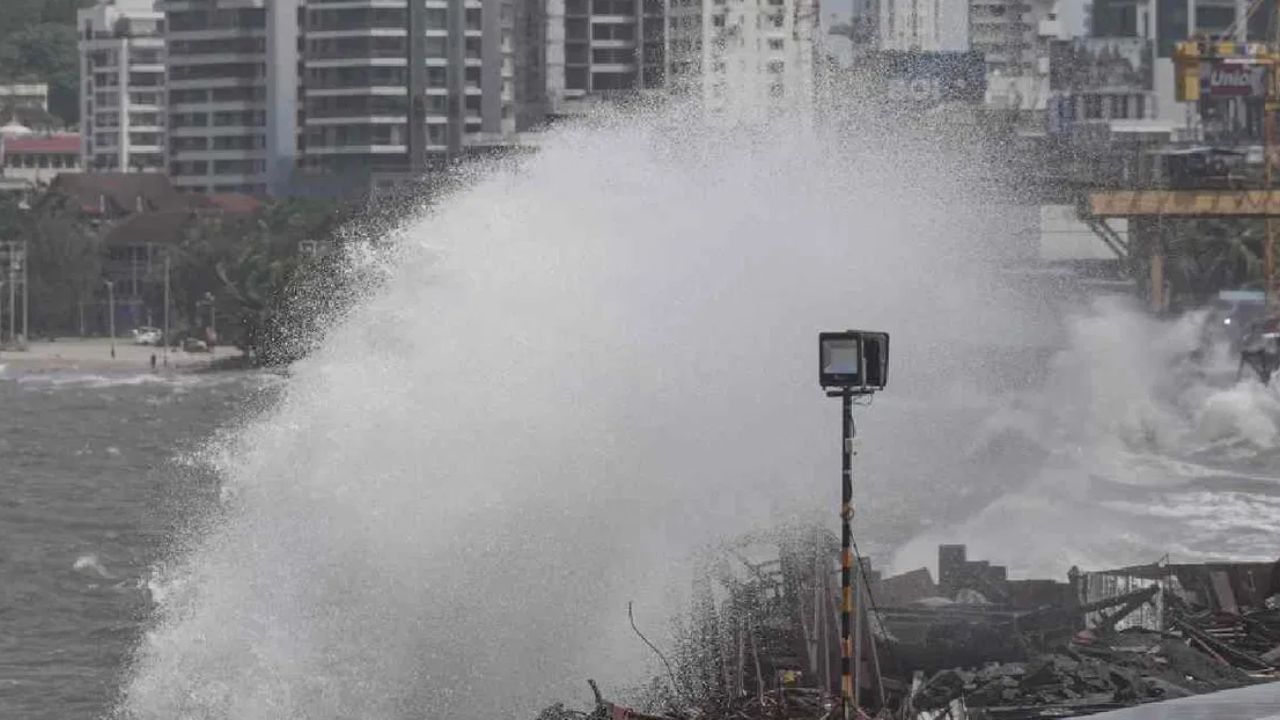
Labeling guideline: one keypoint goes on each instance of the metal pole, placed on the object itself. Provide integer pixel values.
(13, 295)
(858, 613)
(111, 314)
(166, 308)
(26, 315)
(848, 671)
(1270, 106)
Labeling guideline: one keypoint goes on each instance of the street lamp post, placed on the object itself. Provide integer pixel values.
(13, 297)
(26, 296)
(111, 313)
(166, 308)
(851, 363)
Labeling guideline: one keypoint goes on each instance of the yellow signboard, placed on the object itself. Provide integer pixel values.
(1188, 57)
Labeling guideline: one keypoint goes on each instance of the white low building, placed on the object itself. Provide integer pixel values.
(123, 103)
(28, 159)
(24, 95)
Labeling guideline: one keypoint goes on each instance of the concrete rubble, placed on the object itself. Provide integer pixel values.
(975, 644)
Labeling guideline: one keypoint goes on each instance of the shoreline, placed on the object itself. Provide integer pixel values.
(93, 355)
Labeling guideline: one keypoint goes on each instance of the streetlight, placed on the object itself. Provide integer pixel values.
(13, 304)
(853, 362)
(111, 312)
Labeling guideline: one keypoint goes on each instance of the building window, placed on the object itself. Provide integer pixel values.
(613, 31)
(1119, 107)
(1092, 107)
(614, 7)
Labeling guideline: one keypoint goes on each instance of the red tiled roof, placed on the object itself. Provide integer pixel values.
(60, 144)
(119, 193)
(233, 203)
(164, 227)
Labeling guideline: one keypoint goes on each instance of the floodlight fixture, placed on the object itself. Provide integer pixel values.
(853, 361)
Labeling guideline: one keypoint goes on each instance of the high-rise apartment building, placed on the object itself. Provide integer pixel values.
(595, 49)
(233, 93)
(1164, 24)
(122, 75)
(922, 25)
(745, 55)
(357, 84)
(759, 52)
(1005, 32)
(218, 75)
(399, 86)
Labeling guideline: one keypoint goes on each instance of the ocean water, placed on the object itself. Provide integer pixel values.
(108, 480)
(93, 492)
(566, 379)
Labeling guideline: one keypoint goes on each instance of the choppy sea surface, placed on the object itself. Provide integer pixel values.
(94, 490)
(103, 478)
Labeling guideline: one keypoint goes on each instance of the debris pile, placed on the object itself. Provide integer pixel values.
(762, 642)
(1126, 668)
(1136, 635)
(1250, 640)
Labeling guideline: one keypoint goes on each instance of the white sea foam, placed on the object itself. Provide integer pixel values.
(574, 374)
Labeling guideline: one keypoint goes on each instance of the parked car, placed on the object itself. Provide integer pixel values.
(147, 336)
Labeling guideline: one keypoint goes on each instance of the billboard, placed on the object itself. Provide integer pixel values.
(1225, 79)
(1101, 65)
(924, 79)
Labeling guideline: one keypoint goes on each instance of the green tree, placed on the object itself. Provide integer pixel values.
(275, 296)
(46, 52)
(20, 15)
(65, 269)
(62, 12)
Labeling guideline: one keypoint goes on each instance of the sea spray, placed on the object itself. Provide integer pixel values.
(576, 372)
(1148, 441)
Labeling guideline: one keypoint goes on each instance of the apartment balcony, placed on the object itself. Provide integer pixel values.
(229, 58)
(214, 82)
(216, 155)
(370, 4)
(314, 91)
(357, 91)
(389, 61)
(215, 34)
(357, 33)
(355, 117)
(613, 67)
(368, 149)
(212, 131)
(219, 105)
(614, 44)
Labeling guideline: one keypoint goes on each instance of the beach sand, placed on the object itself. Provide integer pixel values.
(94, 355)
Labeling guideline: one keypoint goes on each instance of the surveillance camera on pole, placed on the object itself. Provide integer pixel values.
(852, 362)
